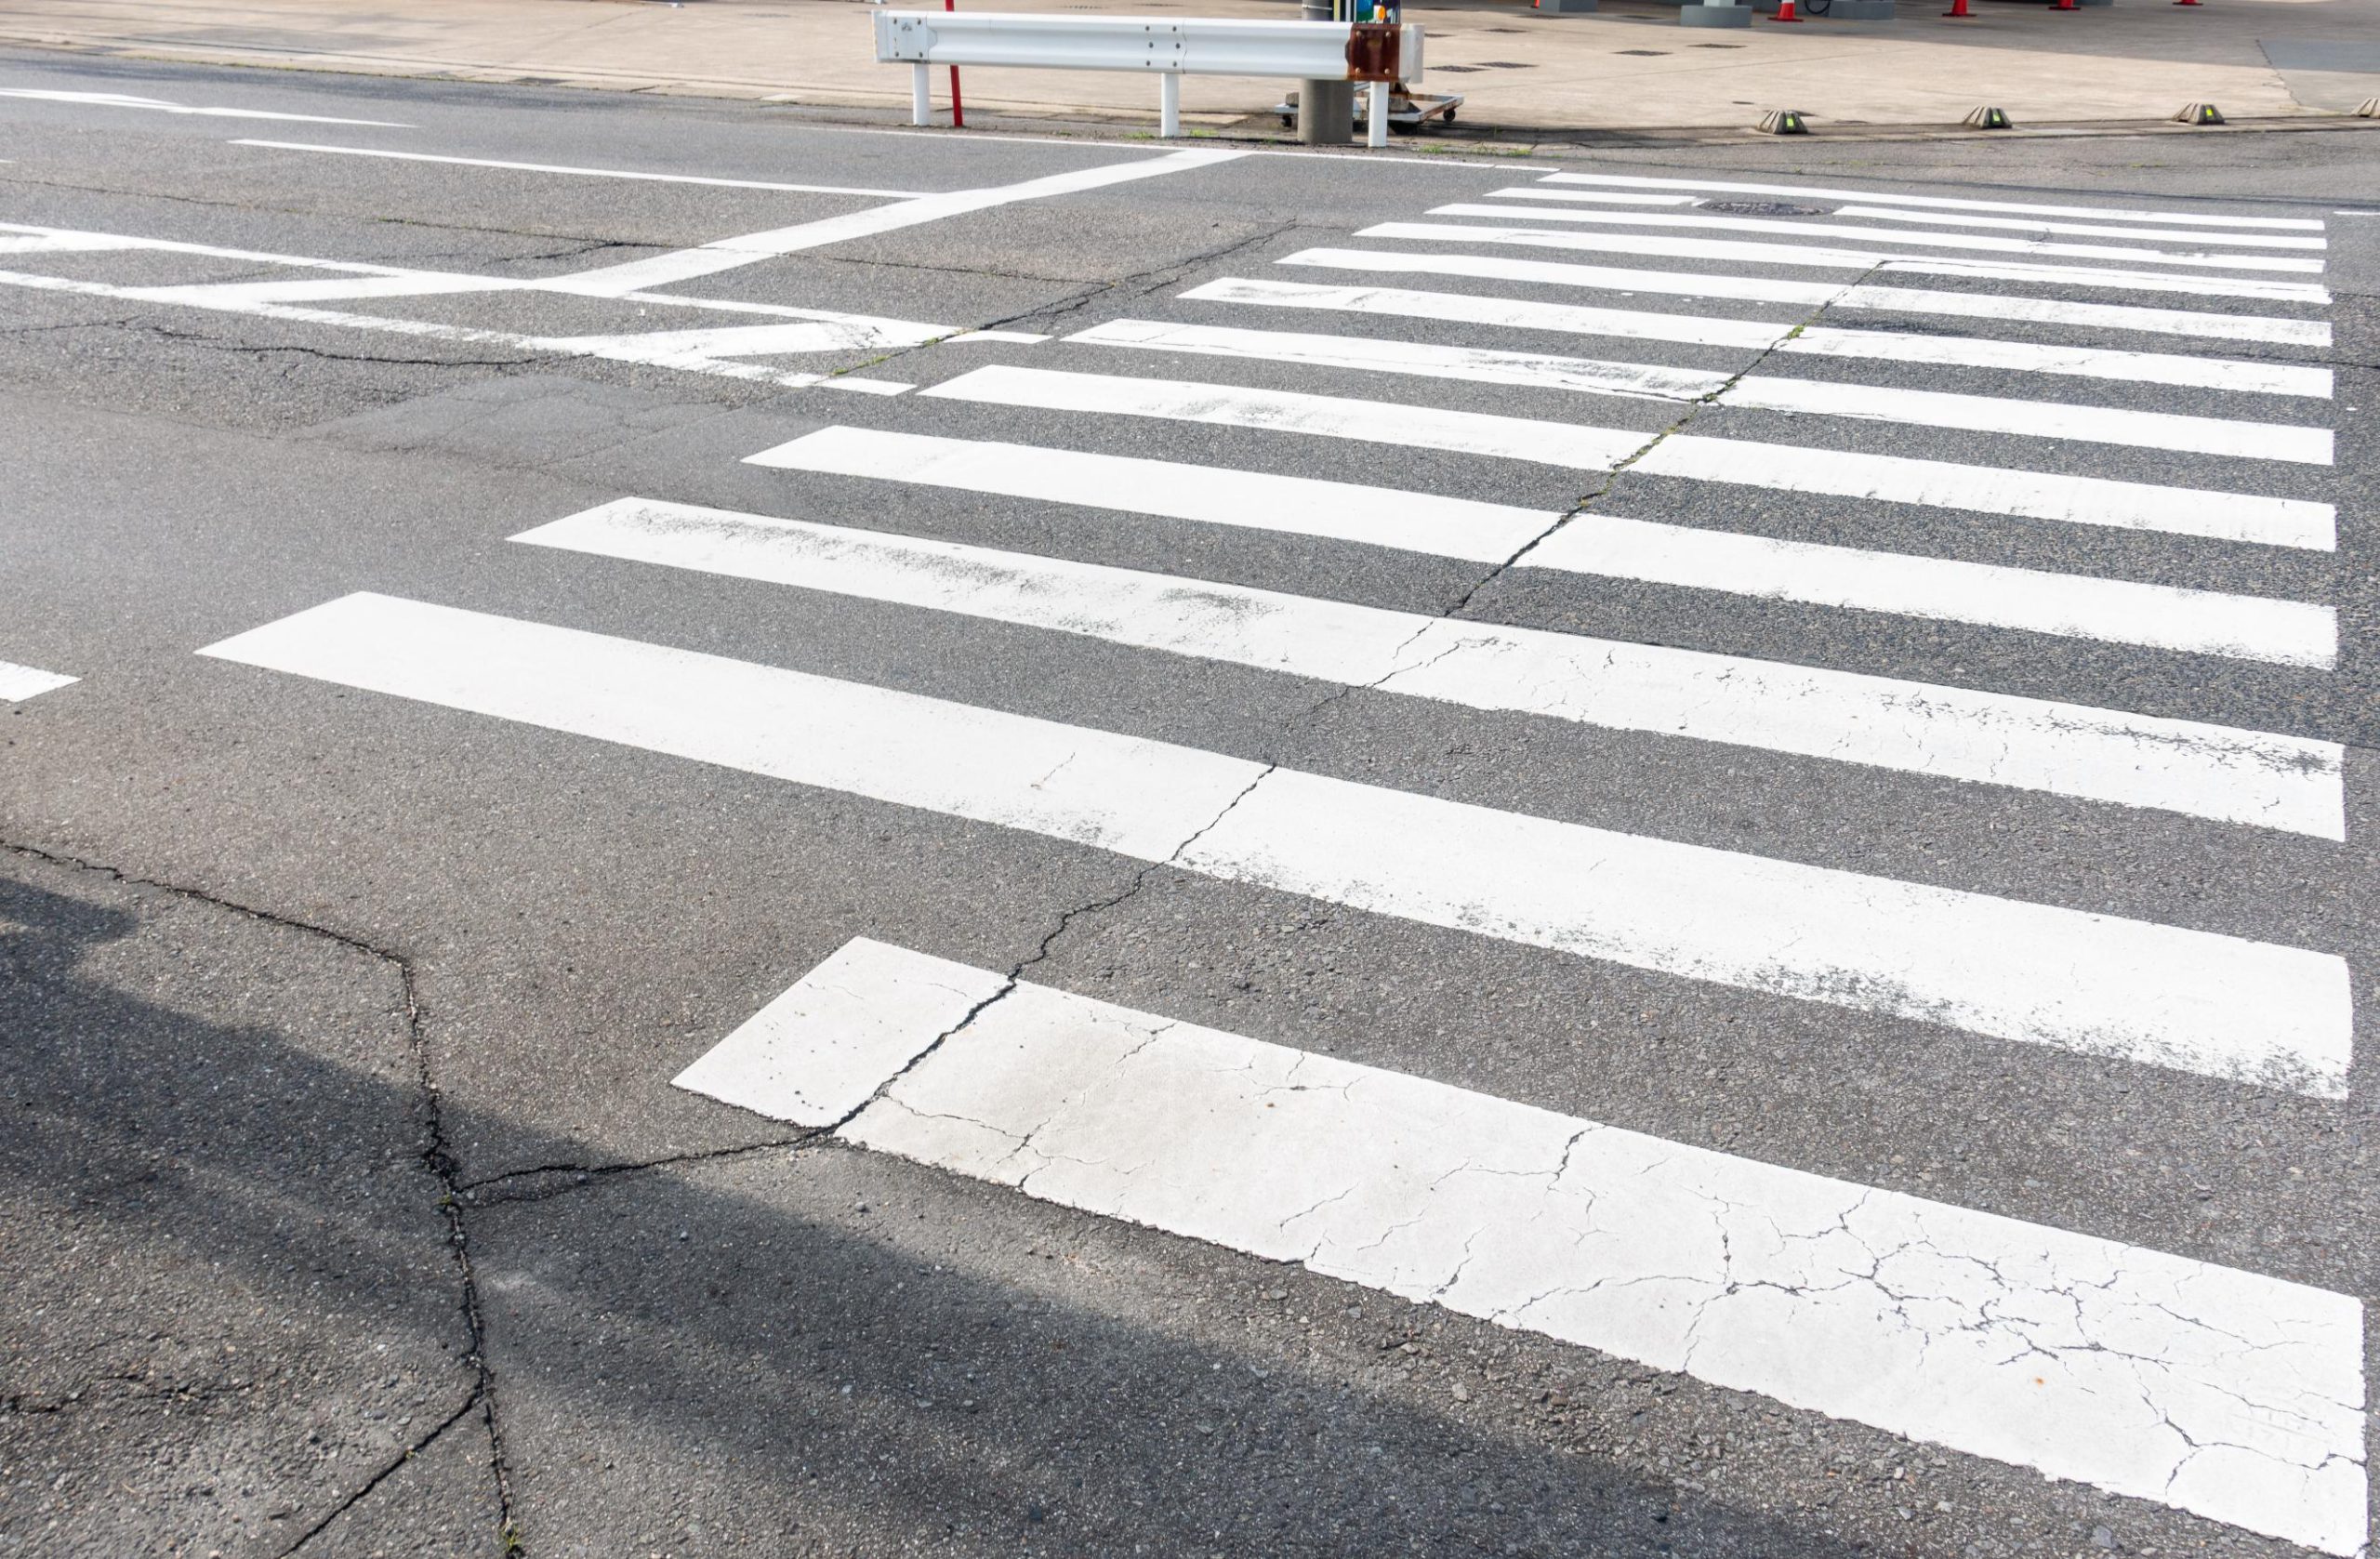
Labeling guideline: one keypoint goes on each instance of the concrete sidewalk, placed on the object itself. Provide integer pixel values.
(1629, 67)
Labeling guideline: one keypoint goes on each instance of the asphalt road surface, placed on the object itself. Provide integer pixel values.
(726, 835)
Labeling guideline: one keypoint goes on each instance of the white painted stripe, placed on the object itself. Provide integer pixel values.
(2081, 500)
(2048, 419)
(2007, 224)
(1020, 337)
(2018, 224)
(665, 348)
(1371, 355)
(1800, 191)
(1774, 290)
(581, 172)
(2041, 420)
(1510, 312)
(20, 682)
(859, 385)
(2034, 973)
(1835, 258)
(2071, 605)
(1389, 422)
(158, 105)
(1883, 346)
(2078, 500)
(1211, 495)
(727, 254)
(2204, 770)
(1878, 235)
(2224, 1393)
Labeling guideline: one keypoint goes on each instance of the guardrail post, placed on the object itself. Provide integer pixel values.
(1169, 105)
(921, 96)
(1326, 109)
(1376, 114)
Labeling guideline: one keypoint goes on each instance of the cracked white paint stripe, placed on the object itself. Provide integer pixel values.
(1372, 354)
(2205, 770)
(2197, 1001)
(1987, 414)
(2080, 500)
(1826, 257)
(2040, 419)
(2222, 1393)
(1779, 291)
(1803, 191)
(20, 682)
(1879, 346)
(1212, 494)
(2071, 605)
(2132, 253)
(1571, 445)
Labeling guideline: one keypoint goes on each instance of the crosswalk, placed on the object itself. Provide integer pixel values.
(2026, 365)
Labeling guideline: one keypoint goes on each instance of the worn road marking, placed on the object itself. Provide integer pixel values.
(1789, 336)
(2131, 252)
(2215, 1390)
(1788, 468)
(582, 172)
(1836, 258)
(2020, 224)
(2204, 770)
(20, 682)
(1213, 495)
(1831, 295)
(2164, 996)
(1987, 414)
(1571, 445)
(2072, 605)
(2110, 212)
(158, 105)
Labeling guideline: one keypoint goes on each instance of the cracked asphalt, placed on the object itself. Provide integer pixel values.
(350, 1208)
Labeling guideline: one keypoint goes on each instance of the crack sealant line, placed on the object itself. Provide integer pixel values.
(434, 1156)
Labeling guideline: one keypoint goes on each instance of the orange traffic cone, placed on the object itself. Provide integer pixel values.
(1959, 10)
(1784, 11)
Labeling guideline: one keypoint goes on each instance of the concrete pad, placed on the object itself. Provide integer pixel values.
(1519, 68)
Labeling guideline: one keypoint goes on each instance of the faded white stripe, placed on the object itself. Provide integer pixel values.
(1212, 494)
(2204, 770)
(2132, 253)
(2086, 1359)
(2016, 224)
(2041, 420)
(1372, 354)
(1835, 258)
(2078, 500)
(2161, 995)
(2071, 605)
(1802, 191)
(2048, 419)
(1391, 422)
(581, 172)
(1883, 346)
(1776, 291)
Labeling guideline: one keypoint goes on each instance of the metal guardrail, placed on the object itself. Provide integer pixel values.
(1377, 54)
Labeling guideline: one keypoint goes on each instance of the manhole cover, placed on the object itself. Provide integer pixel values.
(1762, 208)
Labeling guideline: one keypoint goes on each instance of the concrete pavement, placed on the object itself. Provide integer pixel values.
(1626, 69)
